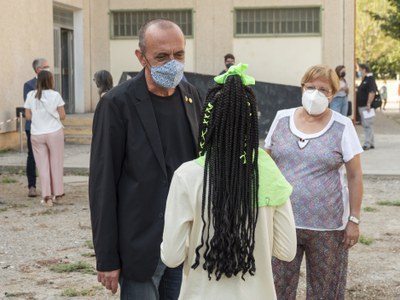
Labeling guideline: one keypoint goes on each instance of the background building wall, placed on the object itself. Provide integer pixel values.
(278, 60)
(25, 35)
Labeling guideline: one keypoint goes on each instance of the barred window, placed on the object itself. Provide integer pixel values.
(126, 24)
(278, 21)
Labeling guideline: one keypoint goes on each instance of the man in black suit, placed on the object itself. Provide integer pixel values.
(38, 65)
(143, 130)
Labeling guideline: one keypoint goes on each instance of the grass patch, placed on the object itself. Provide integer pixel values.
(370, 209)
(49, 211)
(72, 292)
(389, 203)
(20, 295)
(365, 241)
(89, 244)
(80, 267)
(88, 254)
(7, 179)
(13, 206)
(3, 151)
(84, 227)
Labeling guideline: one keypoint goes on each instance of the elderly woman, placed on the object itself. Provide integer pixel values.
(313, 146)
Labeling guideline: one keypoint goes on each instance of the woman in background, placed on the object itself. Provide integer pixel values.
(339, 102)
(313, 146)
(104, 81)
(228, 211)
(45, 108)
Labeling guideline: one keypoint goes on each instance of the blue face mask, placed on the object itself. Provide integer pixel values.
(168, 75)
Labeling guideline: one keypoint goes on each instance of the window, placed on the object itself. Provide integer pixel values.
(278, 21)
(126, 24)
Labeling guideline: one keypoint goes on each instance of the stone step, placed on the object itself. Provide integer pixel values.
(78, 120)
(78, 128)
(78, 139)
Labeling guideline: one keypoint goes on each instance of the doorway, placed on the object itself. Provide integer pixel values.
(64, 57)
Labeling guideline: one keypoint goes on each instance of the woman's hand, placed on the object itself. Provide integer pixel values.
(351, 235)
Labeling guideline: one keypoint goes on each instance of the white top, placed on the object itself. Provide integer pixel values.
(314, 165)
(45, 117)
(275, 235)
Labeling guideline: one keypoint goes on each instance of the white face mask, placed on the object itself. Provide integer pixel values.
(314, 102)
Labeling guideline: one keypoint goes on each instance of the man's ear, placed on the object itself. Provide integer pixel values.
(140, 57)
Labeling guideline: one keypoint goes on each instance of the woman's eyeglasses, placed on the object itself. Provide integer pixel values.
(321, 91)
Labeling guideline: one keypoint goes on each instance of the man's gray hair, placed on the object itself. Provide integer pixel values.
(38, 62)
(160, 22)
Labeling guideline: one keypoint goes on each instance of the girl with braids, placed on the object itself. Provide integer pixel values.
(228, 211)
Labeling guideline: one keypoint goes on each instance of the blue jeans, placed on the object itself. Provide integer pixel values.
(164, 285)
(30, 162)
(340, 105)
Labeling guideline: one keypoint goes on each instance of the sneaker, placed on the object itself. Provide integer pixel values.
(372, 147)
(32, 192)
(365, 148)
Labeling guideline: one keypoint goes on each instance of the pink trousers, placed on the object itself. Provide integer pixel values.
(48, 150)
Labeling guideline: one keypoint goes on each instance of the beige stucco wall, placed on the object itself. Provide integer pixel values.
(272, 59)
(23, 38)
(29, 34)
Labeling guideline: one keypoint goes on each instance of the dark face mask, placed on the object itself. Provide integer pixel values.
(228, 66)
(342, 74)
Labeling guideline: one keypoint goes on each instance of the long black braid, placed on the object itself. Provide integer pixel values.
(229, 140)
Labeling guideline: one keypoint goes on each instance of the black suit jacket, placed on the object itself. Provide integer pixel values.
(128, 183)
(30, 85)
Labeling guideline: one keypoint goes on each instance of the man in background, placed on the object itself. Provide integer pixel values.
(229, 61)
(365, 95)
(38, 65)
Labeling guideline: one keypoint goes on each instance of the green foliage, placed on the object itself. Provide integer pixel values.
(365, 241)
(72, 292)
(81, 267)
(389, 203)
(89, 244)
(390, 20)
(7, 179)
(373, 45)
(370, 209)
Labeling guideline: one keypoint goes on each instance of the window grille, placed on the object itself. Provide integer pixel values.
(126, 24)
(278, 21)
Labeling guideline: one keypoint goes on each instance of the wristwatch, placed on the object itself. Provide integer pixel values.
(354, 220)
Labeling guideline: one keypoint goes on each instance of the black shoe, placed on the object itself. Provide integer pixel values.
(365, 148)
(372, 147)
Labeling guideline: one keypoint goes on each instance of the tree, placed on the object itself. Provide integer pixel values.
(390, 21)
(373, 45)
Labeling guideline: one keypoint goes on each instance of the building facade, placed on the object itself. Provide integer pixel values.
(278, 39)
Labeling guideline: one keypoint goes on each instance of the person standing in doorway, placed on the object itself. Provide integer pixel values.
(38, 65)
(143, 130)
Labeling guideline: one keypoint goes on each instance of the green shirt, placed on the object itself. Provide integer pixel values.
(273, 189)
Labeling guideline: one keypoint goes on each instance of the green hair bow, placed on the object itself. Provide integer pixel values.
(236, 70)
